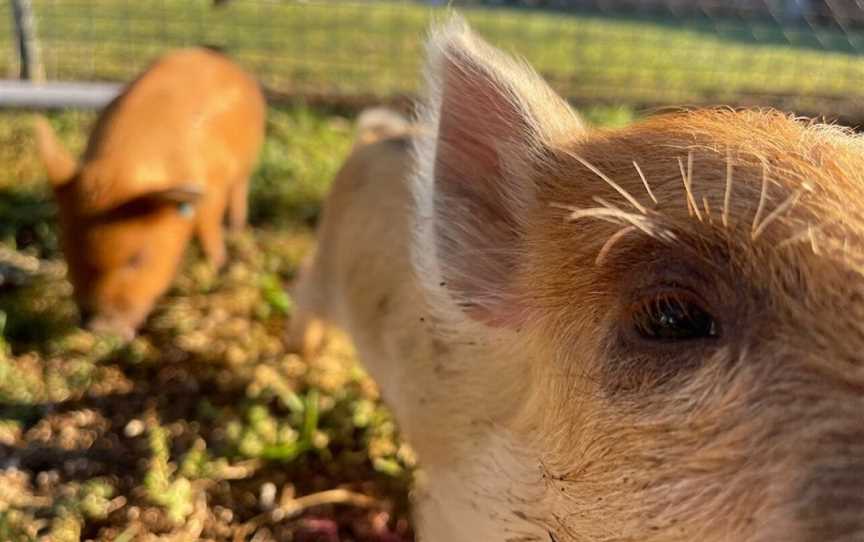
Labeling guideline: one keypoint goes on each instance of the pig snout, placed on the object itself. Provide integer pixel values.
(104, 324)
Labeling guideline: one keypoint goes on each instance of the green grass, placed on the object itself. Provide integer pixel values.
(359, 49)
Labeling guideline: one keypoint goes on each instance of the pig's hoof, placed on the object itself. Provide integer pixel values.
(108, 328)
(306, 337)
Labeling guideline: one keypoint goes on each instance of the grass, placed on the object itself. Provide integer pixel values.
(204, 424)
(351, 48)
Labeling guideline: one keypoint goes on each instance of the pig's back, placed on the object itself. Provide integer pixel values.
(368, 286)
(192, 117)
(366, 218)
(364, 278)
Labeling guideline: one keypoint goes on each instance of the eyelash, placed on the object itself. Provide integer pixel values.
(672, 315)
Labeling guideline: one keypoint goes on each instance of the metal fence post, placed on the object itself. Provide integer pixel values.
(30, 61)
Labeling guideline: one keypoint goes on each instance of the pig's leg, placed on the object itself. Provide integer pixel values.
(306, 332)
(209, 227)
(238, 205)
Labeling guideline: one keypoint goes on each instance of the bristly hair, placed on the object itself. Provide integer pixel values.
(546, 122)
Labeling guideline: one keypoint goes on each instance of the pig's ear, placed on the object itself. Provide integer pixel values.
(182, 197)
(185, 194)
(493, 121)
(59, 163)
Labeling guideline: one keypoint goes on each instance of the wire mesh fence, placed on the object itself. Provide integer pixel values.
(803, 55)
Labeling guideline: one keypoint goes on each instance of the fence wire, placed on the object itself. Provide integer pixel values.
(803, 55)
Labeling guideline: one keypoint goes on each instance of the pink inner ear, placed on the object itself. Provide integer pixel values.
(478, 114)
(478, 205)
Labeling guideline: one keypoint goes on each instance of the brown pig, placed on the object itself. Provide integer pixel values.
(653, 333)
(164, 161)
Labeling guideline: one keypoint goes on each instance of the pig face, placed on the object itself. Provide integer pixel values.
(120, 261)
(662, 324)
(122, 258)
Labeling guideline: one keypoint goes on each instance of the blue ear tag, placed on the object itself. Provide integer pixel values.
(186, 209)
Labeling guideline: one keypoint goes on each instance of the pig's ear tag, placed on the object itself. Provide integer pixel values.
(184, 198)
(186, 209)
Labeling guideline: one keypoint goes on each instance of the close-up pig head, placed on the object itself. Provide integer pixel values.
(122, 248)
(660, 328)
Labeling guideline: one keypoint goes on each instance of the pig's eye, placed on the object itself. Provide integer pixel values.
(672, 316)
(135, 260)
